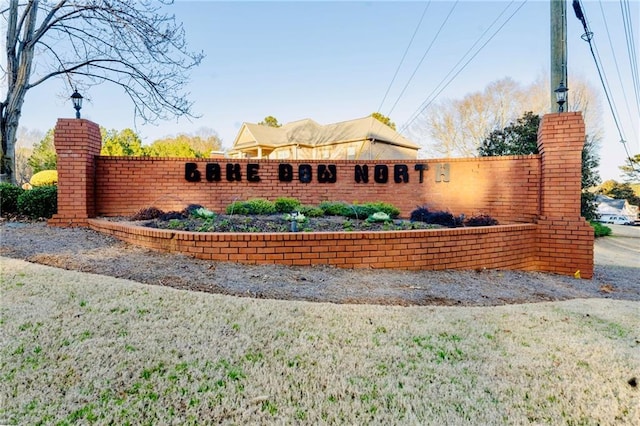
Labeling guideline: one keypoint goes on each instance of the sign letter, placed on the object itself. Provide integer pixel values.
(252, 172)
(304, 173)
(191, 172)
(233, 172)
(381, 173)
(400, 173)
(362, 174)
(213, 172)
(327, 174)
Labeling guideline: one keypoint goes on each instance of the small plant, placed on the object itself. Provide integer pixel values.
(40, 202)
(286, 205)
(44, 178)
(480, 220)
(379, 217)
(9, 198)
(295, 217)
(335, 208)
(422, 214)
(347, 225)
(147, 213)
(600, 230)
(203, 213)
(311, 211)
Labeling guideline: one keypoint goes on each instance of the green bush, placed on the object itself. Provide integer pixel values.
(600, 230)
(311, 211)
(9, 198)
(334, 208)
(287, 205)
(44, 178)
(387, 208)
(40, 202)
(237, 207)
(253, 206)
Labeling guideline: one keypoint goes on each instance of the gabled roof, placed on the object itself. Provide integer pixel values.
(310, 133)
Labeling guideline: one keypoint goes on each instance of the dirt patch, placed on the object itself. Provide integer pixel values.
(88, 251)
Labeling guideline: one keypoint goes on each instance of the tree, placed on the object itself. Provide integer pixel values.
(631, 169)
(456, 128)
(620, 191)
(185, 145)
(270, 121)
(384, 119)
(130, 44)
(521, 139)
(125, 143)
(26, 140)
(44, 155)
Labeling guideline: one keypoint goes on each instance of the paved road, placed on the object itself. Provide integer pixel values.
(622, 248)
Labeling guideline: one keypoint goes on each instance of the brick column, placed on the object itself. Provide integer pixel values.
(565, 239)
(77, 144)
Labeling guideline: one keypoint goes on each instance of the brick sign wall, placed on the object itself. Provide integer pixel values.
(540, 189)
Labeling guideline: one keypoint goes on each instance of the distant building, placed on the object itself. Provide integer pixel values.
(360, 139)
(615, 211)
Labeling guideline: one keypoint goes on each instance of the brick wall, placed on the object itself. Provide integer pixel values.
(77, 144)
(497, 247)
(542, 191)
(565, 240)
(503, 187)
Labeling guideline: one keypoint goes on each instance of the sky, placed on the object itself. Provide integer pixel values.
(334, 61)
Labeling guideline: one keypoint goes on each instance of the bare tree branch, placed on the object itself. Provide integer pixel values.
(132, 44)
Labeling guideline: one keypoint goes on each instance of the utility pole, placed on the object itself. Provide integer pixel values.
(558, 23)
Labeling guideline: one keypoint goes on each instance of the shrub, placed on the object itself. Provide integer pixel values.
(480, 220)
(286, 205)
(147, 213)
(335, 208)
(9, 198)
(191, 208)
(40, 202)
(420, 214)
(387, 208)
(44, 178)
(600, 230)
(311, 211)
(237, 207)
(253, 206)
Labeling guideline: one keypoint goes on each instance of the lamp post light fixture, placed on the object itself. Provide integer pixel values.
(561, 96)
(76, 98)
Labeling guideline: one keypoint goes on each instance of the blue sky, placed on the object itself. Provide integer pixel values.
(333, 61)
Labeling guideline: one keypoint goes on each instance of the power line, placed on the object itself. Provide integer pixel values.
(424, 12)
(615, 59)
(423, 56)
(588, 37)
(436, 92)
(631, 50)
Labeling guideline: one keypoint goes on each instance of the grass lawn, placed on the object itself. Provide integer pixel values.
(85, 349)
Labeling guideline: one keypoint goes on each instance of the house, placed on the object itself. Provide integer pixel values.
(615, 211)
(361, 139)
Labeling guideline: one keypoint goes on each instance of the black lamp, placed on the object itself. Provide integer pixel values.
(561, 96)
(76, 98)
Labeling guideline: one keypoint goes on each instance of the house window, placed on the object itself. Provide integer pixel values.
(351, 153)
(283, 154)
